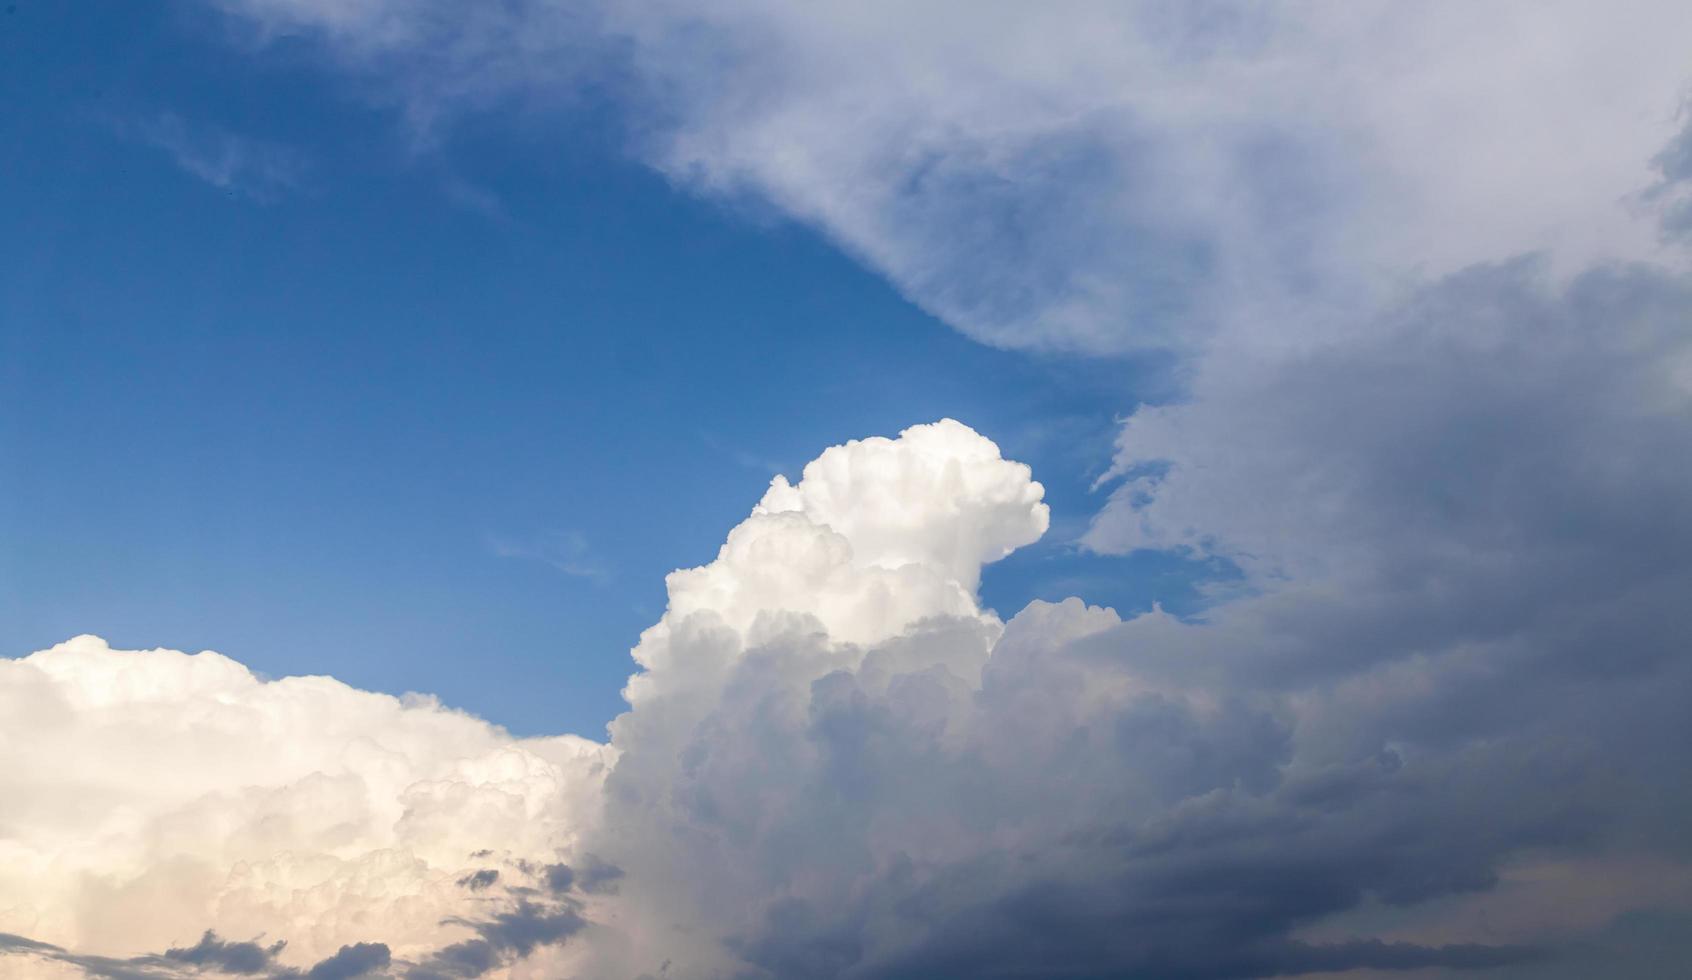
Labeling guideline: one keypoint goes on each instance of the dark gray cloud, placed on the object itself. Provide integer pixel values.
(559, 878)
(229, 957)
(1675, 160)
(590, 875)
(210, 956)
(21, 944)
(595, 876)
(1460, 657)
(506, 936)
(1202, 872)
(532, 907)
(350, 962)
(1672, 194)
(500, 939)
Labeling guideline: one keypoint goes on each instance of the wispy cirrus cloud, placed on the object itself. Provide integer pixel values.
(567, 551)
(257, 170)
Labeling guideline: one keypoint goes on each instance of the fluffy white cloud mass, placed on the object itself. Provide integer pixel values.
(148, 795)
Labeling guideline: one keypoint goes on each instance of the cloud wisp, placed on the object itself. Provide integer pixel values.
(566, 551)
(259, 171)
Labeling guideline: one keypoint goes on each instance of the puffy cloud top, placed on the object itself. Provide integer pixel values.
(938, 496)
(877, 534)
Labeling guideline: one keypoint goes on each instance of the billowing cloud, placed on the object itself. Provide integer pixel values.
(1070, 794)
(147, 796)
(836, 763)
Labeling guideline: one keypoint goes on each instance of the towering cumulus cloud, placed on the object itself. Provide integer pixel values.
(1310, 781)
(836, 763)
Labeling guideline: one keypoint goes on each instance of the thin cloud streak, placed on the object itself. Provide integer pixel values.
(259, 171)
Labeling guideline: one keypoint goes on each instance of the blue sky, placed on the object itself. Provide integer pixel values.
(281, 382)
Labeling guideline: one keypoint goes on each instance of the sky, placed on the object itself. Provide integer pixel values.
(393, 414)
(740, 490)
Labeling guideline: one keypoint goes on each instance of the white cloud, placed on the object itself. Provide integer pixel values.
(1101, 176)
(236, 164)
(148, 795)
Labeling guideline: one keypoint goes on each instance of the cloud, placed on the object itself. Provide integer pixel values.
(226, 956)
(521, 922)
(147, 796)
(1672, 193)
(836, 764)
(47, 960)
(824, 789)
(478, 880)
(1437, 393)
(254, 169)
(1490, 417)
(211, 954)
(349, 962)
(508, 936)
(566, 551)
(1093, 177)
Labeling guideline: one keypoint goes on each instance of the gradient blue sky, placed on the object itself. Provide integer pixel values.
(280, 382)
